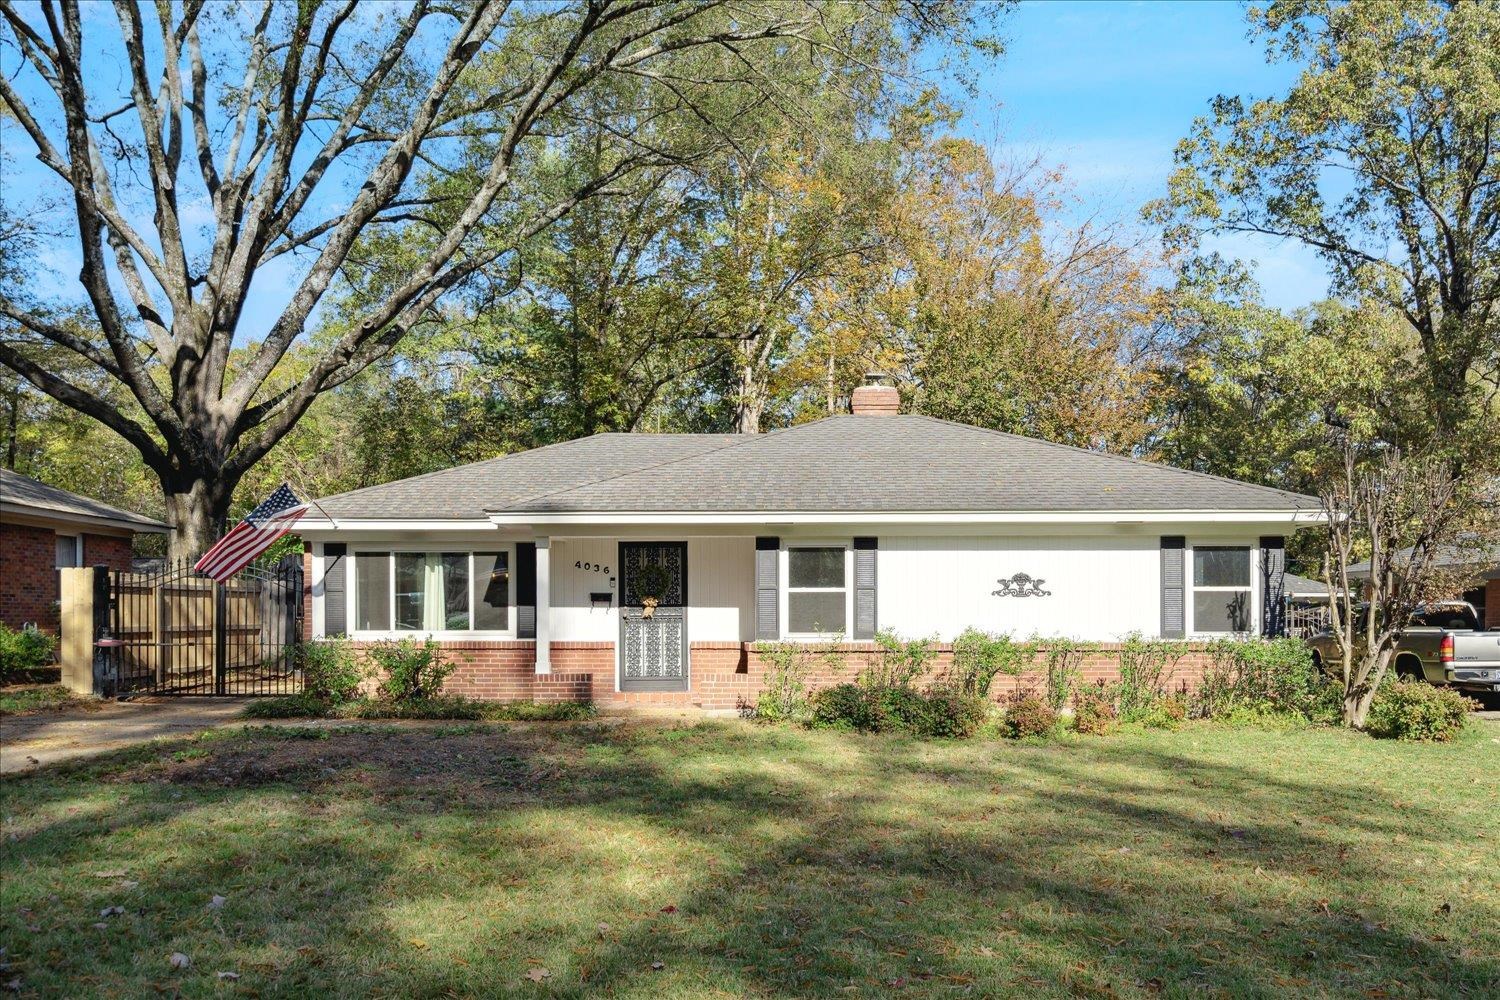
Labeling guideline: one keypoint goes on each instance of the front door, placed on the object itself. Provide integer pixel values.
(653, 640)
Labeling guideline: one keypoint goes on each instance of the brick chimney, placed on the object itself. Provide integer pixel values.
(876, 398)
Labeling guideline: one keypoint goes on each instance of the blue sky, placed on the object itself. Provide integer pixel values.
(1103, 89)
(1107, 89)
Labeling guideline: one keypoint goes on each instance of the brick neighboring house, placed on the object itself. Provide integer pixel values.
(44, 529)
(645, 568)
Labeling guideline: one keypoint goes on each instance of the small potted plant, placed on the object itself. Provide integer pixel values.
(651, 583)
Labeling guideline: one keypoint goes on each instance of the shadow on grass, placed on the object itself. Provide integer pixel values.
(744, 861)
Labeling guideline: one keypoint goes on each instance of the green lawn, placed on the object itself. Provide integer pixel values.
(728, 860)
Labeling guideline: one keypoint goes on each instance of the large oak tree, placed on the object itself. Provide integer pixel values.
(290, 141)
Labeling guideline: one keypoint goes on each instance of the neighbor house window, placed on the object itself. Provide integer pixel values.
(432, 591)
(69, 551)
(816, 592)
(1221, 588)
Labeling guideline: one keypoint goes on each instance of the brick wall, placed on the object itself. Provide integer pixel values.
(1492, 603)
(28, 571)
(730, 675)
(724, 676)
(107, 550)
(307, 592)
(28, 576)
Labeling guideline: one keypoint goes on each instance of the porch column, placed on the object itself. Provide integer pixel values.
(544, 605)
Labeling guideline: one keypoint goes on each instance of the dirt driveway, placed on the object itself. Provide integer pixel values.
(28, 741)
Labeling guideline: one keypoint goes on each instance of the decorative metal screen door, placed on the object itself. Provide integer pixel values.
(653, 648)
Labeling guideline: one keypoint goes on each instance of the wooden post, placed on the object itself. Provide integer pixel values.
(76, 638)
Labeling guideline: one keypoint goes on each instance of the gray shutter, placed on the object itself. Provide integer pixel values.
(864, 588)
(1173, 623)
(1273, 586)
(335, 589)
(526, 590)
(767, 557)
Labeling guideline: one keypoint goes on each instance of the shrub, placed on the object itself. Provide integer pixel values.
(849, 706)
(1031, 716)
(412, 671)
(941, 713)
(1146, 665)
(1267, 676)
(1062, 670)
(1416, 711)
(785, 696)
(1093, 713)
(1164, 713)
(901, 661)
(24, 649)
(331, 670)
(979, 656)
(953, 715)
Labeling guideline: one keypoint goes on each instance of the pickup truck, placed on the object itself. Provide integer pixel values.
(1443, 645)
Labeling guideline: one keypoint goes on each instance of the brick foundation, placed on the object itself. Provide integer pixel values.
(28, 571)
(724, 676)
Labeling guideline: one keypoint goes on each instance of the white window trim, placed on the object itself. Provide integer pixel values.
(351, 591)
(77, 549)
(1189, 604)
(784, 587)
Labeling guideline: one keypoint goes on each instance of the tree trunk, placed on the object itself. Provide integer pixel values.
(750, 401)
(1357, 707)
(198, 511)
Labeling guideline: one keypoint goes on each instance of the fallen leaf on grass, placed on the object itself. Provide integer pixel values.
(230, 976)
(537, 974)
(112, 873)
(110, 911)
(658, 966)
(416, 942)
(669, 908)
(179, 960)
(217, 903)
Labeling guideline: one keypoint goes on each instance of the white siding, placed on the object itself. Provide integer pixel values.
(1100, 587)
(574, 618)
(721, 589)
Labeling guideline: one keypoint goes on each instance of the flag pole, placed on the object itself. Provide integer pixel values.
(317, 505)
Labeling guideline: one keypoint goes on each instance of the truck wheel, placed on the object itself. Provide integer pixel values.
(1410, 667)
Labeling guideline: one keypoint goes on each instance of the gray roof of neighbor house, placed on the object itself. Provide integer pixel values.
(1483, 559)
(1300, 586)
(25, 496)
(853, 464)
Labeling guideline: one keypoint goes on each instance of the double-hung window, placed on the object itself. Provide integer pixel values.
(1222, 589)
(417, 591)
(817, 592)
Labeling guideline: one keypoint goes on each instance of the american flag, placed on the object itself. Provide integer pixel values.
(252, 536)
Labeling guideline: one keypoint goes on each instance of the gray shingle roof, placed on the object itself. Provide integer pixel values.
(839, 464)
(23, 495)
(467, 491)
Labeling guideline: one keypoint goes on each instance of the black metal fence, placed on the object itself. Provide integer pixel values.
(179, 632)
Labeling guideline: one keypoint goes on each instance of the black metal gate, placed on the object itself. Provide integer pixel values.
(179, 632)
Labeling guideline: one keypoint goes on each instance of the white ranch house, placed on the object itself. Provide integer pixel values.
(531, 568)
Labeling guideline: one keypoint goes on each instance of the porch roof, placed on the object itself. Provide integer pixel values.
(850, 464)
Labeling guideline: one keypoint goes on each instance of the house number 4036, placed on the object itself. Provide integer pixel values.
(591, 567)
